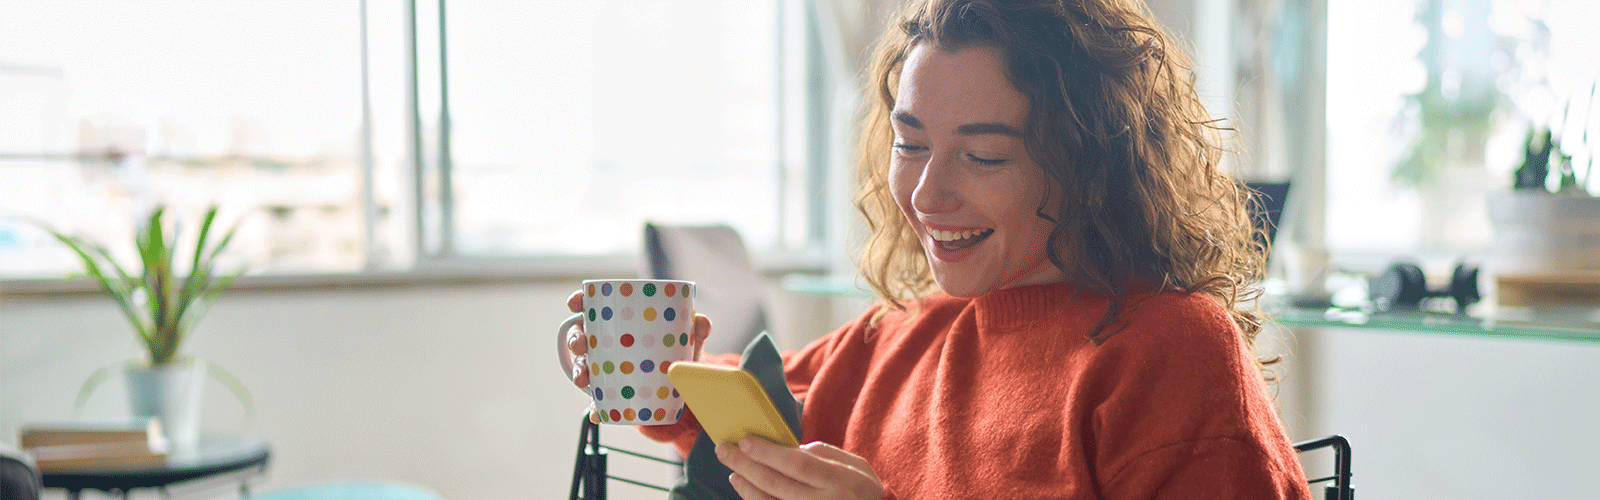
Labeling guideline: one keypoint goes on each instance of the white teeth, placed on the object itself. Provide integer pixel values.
(953, 235)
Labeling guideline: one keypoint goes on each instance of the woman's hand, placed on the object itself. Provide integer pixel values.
(578, 347)
(816, 470)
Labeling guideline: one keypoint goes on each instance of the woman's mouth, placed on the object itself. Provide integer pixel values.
(956, 240)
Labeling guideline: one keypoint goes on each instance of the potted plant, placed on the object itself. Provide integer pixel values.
(1537, 230)
(163, 306)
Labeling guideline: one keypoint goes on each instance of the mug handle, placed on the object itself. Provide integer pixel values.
(562, 352)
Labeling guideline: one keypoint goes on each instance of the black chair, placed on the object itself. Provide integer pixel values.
(19, 479)
(1340, 489)
(589, 475)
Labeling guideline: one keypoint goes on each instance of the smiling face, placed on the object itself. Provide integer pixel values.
(962, 175)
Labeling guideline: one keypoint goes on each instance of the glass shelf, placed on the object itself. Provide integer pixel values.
(1578, 325)
(1581, 324)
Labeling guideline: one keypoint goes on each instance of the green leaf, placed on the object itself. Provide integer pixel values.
(226, 238)
(151, 250)
(94, 381)
(209, 295)
(163, 286)
(199, 270)
(124, 293)
(236, 387)
(120, 294)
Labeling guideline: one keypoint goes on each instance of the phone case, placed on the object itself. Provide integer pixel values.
(729, 403)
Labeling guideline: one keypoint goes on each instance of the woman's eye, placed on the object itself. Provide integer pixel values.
(987, 162)
(907, 148)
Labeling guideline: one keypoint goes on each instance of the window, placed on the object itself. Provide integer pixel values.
(113, 106)
(574, 121)
(538, 127)
(1508, 65)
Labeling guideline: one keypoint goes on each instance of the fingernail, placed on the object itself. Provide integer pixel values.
(723, 450)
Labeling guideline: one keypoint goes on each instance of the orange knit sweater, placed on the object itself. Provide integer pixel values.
(1003, 397)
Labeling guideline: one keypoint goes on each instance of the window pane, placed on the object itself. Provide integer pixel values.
(574, 121)
(1531, 58)
(252, 104)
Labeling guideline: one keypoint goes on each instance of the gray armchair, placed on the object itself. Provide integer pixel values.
(19, 479)
(728, 287)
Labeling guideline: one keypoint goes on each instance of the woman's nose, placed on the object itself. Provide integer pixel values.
(935, 191)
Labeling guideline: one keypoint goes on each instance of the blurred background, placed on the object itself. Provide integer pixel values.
(418, 185)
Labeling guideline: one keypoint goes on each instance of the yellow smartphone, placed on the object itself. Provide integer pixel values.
(729, 403)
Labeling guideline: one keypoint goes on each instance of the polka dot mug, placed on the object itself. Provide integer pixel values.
(635, 330)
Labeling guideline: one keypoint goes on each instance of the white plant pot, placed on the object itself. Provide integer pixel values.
(1539, 231)
(171, 393)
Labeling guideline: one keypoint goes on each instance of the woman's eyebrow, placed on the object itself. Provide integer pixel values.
(906, 118)
(980, 128)
(988, 128)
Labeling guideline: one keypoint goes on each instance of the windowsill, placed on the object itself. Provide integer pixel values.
(439, 273)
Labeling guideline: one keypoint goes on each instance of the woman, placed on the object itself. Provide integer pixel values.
(1061, 265)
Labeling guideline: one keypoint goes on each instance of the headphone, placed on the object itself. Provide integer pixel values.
(1403, 286)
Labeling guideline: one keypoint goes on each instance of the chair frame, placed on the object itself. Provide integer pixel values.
(589, 475)
(1340, 489)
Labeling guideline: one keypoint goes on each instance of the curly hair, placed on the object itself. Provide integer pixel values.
(1116, 124)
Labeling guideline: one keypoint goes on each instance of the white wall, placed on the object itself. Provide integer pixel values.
(450, 387)
(453, 388)
(1453, 416)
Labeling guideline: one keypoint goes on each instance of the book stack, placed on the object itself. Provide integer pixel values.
(1571, 288)
(89, 446)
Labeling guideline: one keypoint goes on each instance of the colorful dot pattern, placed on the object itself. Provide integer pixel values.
(650, 314)
(629, 364)
(649, 290)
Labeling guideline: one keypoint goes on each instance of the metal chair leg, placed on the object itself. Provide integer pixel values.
(589, 469)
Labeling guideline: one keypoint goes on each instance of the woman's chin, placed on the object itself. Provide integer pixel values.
(963, 288)
(957, 284)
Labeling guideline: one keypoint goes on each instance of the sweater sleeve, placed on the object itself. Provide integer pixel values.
(801, 367)
(1208, 468)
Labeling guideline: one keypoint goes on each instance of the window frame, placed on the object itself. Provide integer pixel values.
(431, 239)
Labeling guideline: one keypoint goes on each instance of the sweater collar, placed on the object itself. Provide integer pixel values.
(1027, 307)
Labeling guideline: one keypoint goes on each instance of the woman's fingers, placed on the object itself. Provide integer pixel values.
(578, 345)
(578, 349)
(834, 453)
(577, 342)
(746, 489)
(577, 352)
(580, 372)
(702, 330)
(765, 470)
(759, 473)
(575, 302)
